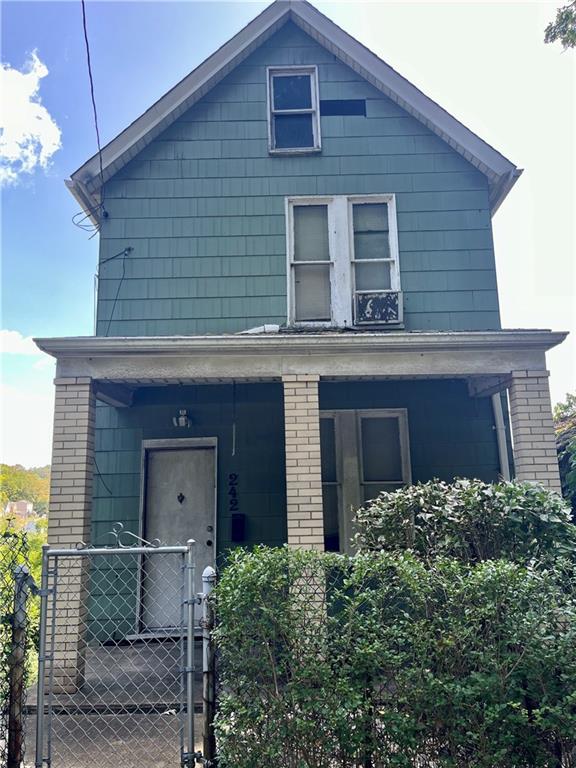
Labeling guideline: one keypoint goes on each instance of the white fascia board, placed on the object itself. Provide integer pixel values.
(401, 91)
(136, 362)
(500, 172)
(180, 98)
(311, 344)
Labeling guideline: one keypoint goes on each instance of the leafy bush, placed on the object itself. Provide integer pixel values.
(565, 429)
(387, 660)
(470, 521)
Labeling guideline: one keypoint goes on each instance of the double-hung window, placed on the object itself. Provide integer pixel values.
(293, 113)
(343, 261)
(363, 452)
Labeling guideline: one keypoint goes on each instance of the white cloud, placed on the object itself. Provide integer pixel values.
(26, 436)
(13, 343)
(29, 136)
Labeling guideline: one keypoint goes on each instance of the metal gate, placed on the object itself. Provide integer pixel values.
(112, 691)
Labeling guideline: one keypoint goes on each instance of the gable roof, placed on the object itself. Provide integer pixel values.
(86, 182)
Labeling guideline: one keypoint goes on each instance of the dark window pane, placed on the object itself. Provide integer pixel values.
(292, 92)
(381, 456)
(330, 508)
(312, 292)
(311, 233)
(372, 490)
(328, 450)
(372, 276)
(293, 132)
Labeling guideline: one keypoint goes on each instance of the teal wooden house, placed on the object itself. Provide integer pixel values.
(297, 306)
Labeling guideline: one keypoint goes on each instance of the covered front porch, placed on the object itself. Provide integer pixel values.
(302, 426)
(272, 438)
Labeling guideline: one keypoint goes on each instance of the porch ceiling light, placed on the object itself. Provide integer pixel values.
(182, 420)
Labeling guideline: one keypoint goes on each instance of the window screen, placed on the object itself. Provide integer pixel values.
(371, 247)
(311, 264)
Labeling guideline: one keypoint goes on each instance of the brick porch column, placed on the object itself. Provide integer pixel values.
(69, 522)
(303, 479)
(535, 455)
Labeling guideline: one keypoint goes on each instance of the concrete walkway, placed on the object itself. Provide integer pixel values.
(113, 741)
(125, 715)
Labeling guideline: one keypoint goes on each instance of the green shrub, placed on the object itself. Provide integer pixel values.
(470, 521)
(382, 660)
(448, 641)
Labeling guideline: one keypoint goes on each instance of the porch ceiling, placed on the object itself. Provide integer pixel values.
(177, 360)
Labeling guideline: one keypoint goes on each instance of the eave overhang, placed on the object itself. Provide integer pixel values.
(183, 359)
(85, 184)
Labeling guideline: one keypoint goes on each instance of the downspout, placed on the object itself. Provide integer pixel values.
(501, 436)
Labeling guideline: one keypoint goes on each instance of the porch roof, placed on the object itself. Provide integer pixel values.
(331, 355)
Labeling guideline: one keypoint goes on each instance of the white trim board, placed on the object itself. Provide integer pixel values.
(155, 360)
(85, 183)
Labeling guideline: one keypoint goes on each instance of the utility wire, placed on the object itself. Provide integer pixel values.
(81, 218)
(122, 254)
(89, 62)
(104, 483)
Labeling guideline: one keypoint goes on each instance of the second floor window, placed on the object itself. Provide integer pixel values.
(343, 261)
(294, 124)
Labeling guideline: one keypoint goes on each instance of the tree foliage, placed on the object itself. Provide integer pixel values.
(17, 483)
(563, 28)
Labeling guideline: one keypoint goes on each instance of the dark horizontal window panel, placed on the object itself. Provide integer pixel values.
(333, 107)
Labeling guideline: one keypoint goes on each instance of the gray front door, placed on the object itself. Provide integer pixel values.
(179, 504)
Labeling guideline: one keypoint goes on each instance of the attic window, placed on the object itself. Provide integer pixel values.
(293, 114)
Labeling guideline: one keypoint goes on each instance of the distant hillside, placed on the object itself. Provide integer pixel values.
(17, 483)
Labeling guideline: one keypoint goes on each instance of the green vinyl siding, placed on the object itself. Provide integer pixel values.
(203, 208)
(258, 461)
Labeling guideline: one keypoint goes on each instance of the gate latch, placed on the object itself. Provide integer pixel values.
(189, 759)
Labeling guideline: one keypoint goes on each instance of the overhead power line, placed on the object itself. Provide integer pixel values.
(81, 218)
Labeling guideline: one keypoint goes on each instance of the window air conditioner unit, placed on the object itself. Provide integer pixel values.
(378, 307)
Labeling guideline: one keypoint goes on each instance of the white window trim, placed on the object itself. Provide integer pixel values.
(341, 245)
(349, 460)
(314, 110)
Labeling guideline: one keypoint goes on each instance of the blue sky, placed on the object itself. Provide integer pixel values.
(485, 62)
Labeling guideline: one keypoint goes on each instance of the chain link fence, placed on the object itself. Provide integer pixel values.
(117, 658)
(18, 636)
